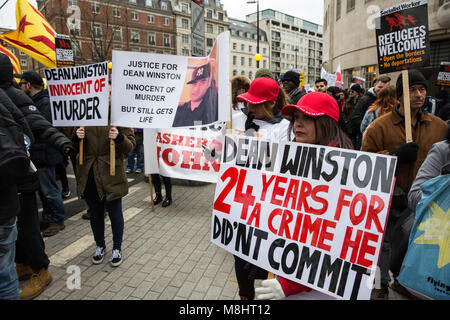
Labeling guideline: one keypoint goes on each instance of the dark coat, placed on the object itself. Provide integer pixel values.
(360, 110)
(295, 95)
(96, 157)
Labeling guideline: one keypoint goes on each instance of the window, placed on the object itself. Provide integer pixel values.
(72, 3)
(234, 60)
(338, 9)
(234, 45)
(209, 28)
(151, 18)
(163, 5)
(209, 14)
(242, 47)
(250, 48)
(242, 61)
(148, 3)
(95, 8)
(250, 62)
(185, 52)
(166, 21)
(185, 38)
(135, 37)
(97, 31)
(221, 29)
(184, 7)
(220, 16)
(350, 5)
(132, 1)
(116, 12)
(185, 23)
(23, 62)
(117, 33)
(151, 38)
(134, 15)
(166, 40)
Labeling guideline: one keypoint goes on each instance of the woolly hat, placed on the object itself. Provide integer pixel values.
(264, 73)
(6, 69)
(292, 76)
(415, 77)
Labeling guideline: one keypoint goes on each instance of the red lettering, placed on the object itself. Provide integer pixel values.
(323, 201)
(158, 137)
(305, 191)
(278, 191)
(266, 185)
(372, 214)
(325, 235)
(166, 138)
(284, 226)
(255, 215)
(247, 199)
(186, 159)
(351, 244)
(273, 214)
(219, 204)
(298, 223)
(175, 157)
(189, 142)
(367, 249)
(342, 202)
(177, 140)
(354, 218)
(310, 227)
(291, 193)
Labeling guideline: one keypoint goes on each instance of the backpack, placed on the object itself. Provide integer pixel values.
(14, 160)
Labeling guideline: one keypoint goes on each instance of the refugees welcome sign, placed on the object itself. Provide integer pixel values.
(79, 96)
(312, 214)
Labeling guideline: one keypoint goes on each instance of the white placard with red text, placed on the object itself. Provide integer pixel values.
(312, 214)
(179, 153)
(79, 96)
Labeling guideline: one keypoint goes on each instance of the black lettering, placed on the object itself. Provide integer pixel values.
(241, 239)
(344, 277)
(292, 247)
(357, 284)
(259, 234)
(380, 173)
(368, 171)
(278, 243)
(330, 268)
(57, 107)
(348, 156)
(290, 164)
(229, 144)
(311, 261)
(326, 176)
(313, 163)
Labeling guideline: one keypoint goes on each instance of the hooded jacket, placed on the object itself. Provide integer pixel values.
(46, 136)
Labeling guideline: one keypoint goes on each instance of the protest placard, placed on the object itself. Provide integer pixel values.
(63, 50)
(163, 91)
(444, 74)
(402, 39)
(79, 96)
(315, 215)
(179, 153)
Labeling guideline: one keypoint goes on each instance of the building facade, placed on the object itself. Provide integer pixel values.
(294, 43)
(98, 27)
(244, 48)
(216, 22)
(349, 37)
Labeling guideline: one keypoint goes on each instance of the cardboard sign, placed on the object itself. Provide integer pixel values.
(79, 96)
(164, 91)
(402, 39)
(444, 74)
(179, 153)
(315, 215)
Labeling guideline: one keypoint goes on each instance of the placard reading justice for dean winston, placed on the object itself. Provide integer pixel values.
(312, 214)
(402, 37)
(79, 96)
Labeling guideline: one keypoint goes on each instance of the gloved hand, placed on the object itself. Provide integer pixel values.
(406, 153)
(250, 126)
(269, 290)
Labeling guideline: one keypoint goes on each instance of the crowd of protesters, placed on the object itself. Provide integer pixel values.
(371, 120)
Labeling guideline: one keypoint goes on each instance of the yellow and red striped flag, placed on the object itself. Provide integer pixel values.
(14, 61)
(34, 35)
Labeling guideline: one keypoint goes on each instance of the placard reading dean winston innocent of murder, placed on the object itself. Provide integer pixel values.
(402, 37)
(160, 91)
(79, 96)
(315, 215)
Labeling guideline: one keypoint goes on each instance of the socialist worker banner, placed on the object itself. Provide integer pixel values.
(312, 214)
(163, 91)
(79, 96)
(402, 38)
(180, 153)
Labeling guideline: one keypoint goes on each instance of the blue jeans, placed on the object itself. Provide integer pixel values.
(97, 208)
(9, 284)
(139, 153)
(51, 196)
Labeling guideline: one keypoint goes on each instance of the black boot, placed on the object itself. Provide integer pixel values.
(168, 199)
(157, 199)
(157, 186)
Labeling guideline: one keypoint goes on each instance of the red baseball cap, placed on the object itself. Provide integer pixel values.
(314, 104)
(261, 90)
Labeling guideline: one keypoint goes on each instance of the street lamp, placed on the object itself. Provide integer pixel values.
(257, 30)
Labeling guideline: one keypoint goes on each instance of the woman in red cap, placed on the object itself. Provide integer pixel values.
(313, 120)
(261, 117)
(263, 103)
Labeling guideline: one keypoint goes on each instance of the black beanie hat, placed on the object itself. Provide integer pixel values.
(6, 69)
(292, 76)
(415, 77)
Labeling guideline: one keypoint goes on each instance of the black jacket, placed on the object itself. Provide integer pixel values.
(360, 109)
(295, 95)
(42, 101)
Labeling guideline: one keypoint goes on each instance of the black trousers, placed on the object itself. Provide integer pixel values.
(30, 247)
(246, 273)
(156, 181)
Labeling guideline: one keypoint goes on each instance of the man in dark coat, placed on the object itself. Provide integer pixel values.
(363, 104)
(290, 83)
(31, 260)
(202, 108)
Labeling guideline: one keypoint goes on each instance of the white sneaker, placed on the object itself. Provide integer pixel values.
(116, 258)
(98, 255)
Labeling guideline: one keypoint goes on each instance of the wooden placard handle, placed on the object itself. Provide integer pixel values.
(81, 151)
(407, 106)
(151, 191)
(112, 157)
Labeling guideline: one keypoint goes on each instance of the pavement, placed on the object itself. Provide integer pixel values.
(167, 253)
